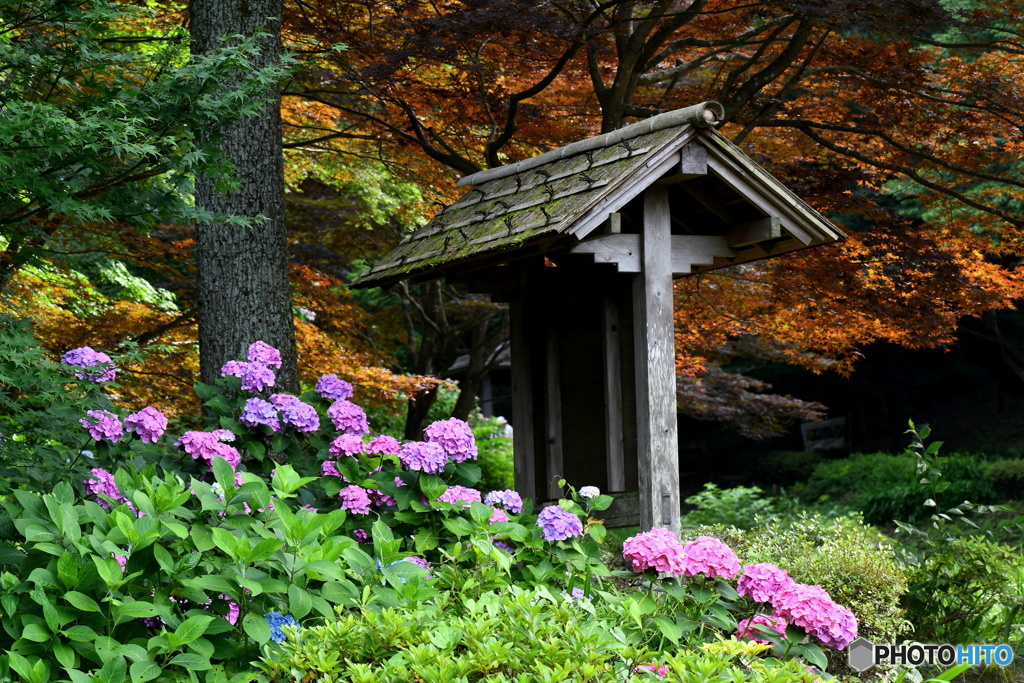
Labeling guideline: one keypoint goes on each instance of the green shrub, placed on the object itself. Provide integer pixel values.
(740, 507)
(787, 467)
(1006, 477)
(494, 452)
(516, 634)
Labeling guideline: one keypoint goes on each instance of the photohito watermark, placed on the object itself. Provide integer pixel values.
(863, 654)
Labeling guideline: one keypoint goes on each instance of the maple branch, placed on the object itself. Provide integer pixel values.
(185, 318)
(742, 39)
(809, 131)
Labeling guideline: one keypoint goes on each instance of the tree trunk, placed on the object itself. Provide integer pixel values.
(243, 285)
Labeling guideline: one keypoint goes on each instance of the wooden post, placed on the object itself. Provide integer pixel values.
(654, 344)
(522, 398)
(553, 410)
(614, 453)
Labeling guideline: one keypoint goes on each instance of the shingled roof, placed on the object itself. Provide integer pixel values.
(565, 194)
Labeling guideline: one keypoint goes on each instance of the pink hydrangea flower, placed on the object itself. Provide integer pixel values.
(748, 628)
(454, 436)
(349, 418)
(347, 444)
(760, 582)
(121, 559)
(508, 499)
(657, 549)
(103, 424)
(711, 557)
(259, 412)
(334, 389)
(459, 494)
(812, 608)
(559, 524)
(355, 499)
(149, 423)
(380, 499)
(86, 357)
(329, 469)
(296, 413)
(208, 445)
(498, 516)
(661, 671)
(383, 445)
(260, 352)
(422, 456)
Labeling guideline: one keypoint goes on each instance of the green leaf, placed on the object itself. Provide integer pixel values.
(35, 633)
(113, 671)
(668, 628)
(256, 628)
(133, 610)
(67, 570)
(192, 662)
(81, 601)
(144, 671)
(64, 654)
(459, 526)
(299, 602)
(813, 654)
(202, 538)
(80, 634)
(192, 628)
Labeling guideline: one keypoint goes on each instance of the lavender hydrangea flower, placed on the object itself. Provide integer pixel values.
(349, 418)
(508, 499)
(103, 424)
(498, 516)
(257, 377)
(102, 483)
(419, 562)
(459, 494)
(760, 582)
(422, 456)
(329, 469)
(235, 368)
(334, 389)
(259, 412)
(383, 445)
(454, 436)
(260, 352)
(208, 445)
(657, 549)
(347, 444)
(355, 499)
(86, 357)
(380, 499)
(710, 557)
(559, 524)
(296, 413)
(149, 423)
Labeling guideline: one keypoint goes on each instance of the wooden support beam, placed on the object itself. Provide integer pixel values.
(745, 234)
(523, 454)
(693, 163)
(553, 410)
(615, 457)
(687, 251)
(654, 345)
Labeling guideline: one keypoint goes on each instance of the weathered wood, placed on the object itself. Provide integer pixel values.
(755, 231)
(523, 455)
(624, 511)
(693, 163)
(614, 451)
(654, 335)
(686, 251)
(552, 409)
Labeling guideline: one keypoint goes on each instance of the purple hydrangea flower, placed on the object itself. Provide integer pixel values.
(334, 389)
(504, 546)
(383, 445)
(257, 377)
(422, 456)
(498, 516)
(508, 499)
(748, 628)
(86, 357)
(559, 524)
(296, 413)
(711, 557)
(355, 499)
(657, 549)
(260, 352)
(419, 562)
(235, 368)
(459, 494)
(259, 412)
(149, 423)
(103, 424)
(380, 499)
(329, 469)
(102, 483)
(454, 436)
(347, 444)
(760, 582)
(207, 446)
(349, 418)
(361, 536)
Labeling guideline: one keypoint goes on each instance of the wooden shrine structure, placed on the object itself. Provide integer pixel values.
(583, 242)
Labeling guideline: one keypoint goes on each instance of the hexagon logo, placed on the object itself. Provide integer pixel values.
(861, 654)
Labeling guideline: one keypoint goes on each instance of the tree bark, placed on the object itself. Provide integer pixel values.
(243, 281)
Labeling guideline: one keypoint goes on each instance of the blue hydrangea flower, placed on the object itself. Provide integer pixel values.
(276, 621)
